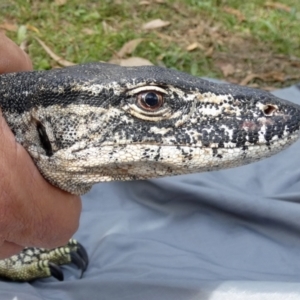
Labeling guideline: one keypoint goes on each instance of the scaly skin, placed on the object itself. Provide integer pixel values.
(100, 122)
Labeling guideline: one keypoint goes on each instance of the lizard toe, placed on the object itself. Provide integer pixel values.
(56, 271)
(80, 259)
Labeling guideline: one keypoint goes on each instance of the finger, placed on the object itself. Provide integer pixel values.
(33, 212)
(8, 249)
(12, 58)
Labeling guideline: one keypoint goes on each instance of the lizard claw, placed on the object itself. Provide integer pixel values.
(56, 271)
(80, 259)
(83, 254)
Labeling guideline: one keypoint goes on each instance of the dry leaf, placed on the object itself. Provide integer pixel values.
(131, 62)
(107, 28)
(277, 76)
(227, 69)
(144, 3)
(55, 57)
(160, 57)
(278, 5)
(209, 51)
(128, 47)
(24, 45)
(271, 76)
(60, 2)
(32, 28)
(235, 13)
(292, 77)
(154, 24)
(179, 10)
(249, 78)
(9, 26)
(164, 36)
(88, 31)
(192, 46)
(268, 88)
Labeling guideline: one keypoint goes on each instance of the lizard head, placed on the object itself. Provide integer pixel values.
(101, 122)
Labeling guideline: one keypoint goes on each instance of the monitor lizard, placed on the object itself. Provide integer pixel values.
(100, 122)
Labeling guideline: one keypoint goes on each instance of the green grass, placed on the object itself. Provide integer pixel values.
(268, 25)
(267, 40)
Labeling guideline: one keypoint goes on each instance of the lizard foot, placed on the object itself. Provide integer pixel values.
(34, 263)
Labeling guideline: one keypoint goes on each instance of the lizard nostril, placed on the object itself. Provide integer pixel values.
(269, 109)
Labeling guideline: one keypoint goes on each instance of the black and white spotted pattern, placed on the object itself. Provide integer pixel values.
(96, 131)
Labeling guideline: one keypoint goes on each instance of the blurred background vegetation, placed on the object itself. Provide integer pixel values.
(255, 43)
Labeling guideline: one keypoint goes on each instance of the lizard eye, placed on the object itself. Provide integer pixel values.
(148, 103)
(150, 100)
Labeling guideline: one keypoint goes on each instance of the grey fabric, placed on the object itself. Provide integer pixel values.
(232, 234)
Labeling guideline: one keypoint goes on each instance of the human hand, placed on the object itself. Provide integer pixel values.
(32, 212)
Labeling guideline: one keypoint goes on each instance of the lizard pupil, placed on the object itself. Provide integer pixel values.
(151, 99)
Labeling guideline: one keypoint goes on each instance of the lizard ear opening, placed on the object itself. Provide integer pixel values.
(44, 138)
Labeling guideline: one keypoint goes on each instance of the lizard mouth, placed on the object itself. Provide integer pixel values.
(78, 171)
